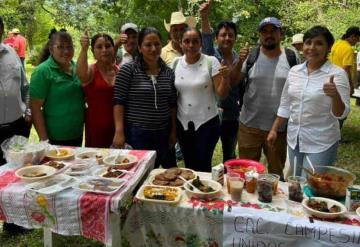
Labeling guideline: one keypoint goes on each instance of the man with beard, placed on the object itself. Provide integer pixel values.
(265, 81)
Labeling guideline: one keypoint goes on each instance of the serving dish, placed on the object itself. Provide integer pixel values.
(169, 177)
(159, 194)
(60, 154)
(122, 161)
(59, 166)
(111, 173)
(53, 184)
(35, 173)
(99, 185)
(329, 181)
(79, 168)
(329, 203)
(241, 166)
(202, 194)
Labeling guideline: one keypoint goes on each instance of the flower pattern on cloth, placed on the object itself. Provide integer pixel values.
(6, 179)
(215, 206)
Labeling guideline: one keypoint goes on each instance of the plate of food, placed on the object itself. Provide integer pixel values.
(206, 188)
(111, 173)
(59, 166)
(121, 161)
(34, 173)
(60, 154)
(159, 194)
(79, 168)
(170, 177)
(52, 185)
(99, 185)
(323, 208)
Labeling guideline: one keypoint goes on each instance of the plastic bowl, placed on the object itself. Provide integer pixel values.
(330, 182)
(47, 170)
(324, 215)
(241, 166)
(65, 154)
(125, 161)
(204, 195)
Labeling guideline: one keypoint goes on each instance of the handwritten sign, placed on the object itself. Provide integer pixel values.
(247, 227)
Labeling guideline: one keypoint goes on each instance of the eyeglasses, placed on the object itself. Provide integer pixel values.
(63, 48)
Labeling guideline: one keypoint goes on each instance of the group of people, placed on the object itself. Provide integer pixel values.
(140, 95)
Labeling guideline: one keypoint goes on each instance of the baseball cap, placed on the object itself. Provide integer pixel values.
(16, 30)
(129, 25)
(270, 20)
(297, 39)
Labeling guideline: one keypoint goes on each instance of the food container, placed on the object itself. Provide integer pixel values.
(18, 150)
(236, 188)
(204, 195)
(228, 176)
(217, 173)
(241, 166)
(159, 194)
(251, 181)
(122, 161)
(329, 204)
(275, 182)
(296, 188)
(330, 182)
(35, 173)
(60, 154)
(265, 185)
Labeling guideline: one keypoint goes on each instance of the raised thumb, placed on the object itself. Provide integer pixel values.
(331, 79)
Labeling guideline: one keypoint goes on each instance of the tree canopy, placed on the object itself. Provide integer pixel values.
(35, 18)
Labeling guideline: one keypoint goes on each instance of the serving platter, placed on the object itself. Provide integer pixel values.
(99, 185)
(324, 215)
(168, 177)
(159, 194)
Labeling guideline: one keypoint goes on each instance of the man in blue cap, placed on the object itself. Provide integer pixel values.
(265, 71)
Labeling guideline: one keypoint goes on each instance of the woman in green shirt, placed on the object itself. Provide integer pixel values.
(56, 97)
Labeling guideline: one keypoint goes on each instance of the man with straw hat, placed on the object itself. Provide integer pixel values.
(177, 25)
(297, 46)
(19, 45)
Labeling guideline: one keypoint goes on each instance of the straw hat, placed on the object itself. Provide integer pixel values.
(179, 18)
(16, 30)
(297, 38)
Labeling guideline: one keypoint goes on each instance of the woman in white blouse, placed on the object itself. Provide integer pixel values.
(315, 96)
(199, 79)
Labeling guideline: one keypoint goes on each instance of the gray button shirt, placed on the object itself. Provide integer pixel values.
(13, 86)
(262, 98)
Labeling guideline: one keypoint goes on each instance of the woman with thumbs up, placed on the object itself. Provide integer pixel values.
(199, 80)
(98, 82)
(315, 96)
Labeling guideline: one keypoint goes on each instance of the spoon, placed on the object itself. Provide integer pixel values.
(116, 158)
(190, 184)
(56, 150)
(308, 171)
(311, 164)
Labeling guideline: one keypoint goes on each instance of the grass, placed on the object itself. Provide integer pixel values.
(348, 154)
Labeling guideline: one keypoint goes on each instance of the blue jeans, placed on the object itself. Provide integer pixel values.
(325, 158)
(198, 146)
(143, 139)
(229, 132)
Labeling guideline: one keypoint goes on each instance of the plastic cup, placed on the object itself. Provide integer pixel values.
(275, 182)
(265, 185)
(236, 187)
(296, 188)
(228, 176)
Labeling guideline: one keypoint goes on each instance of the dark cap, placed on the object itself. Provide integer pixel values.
(270, 21)
(353, 31)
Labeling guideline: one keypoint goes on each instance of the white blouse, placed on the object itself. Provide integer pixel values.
(308, 109)
(196, 93)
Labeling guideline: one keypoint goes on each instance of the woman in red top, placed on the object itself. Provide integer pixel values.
(98, 82)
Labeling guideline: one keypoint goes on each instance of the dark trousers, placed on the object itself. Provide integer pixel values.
(198, 146)
(229, 131)
(157, 140)
(18, 127)
(77, 142)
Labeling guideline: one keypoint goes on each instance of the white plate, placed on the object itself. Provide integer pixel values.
(86, 155)
(156, 172)
(49, 171)
(79, 168)
(103, 170)
(66, 166)
(51, 154)
(110, 161)
(140, 194)
(216, 186)
(91, 184)
(53, 185)
(324, 215)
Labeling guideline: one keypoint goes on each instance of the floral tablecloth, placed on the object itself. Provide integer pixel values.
(194, 222)
(70, 212)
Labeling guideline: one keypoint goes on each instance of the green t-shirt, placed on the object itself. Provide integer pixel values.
(64, 103)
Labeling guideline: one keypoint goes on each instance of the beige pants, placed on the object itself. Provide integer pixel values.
(252, 141)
